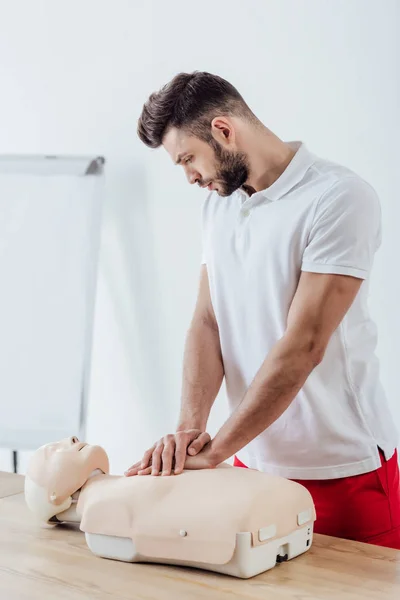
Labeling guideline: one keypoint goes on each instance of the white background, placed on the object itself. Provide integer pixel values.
(48, 244)
(74, 76)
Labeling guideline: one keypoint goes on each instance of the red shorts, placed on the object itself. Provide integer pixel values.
(364, 507)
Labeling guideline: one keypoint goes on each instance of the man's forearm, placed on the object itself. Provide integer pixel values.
(203, 373)
(278, 381)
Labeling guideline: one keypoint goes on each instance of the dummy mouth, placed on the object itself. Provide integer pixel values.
(82, 446)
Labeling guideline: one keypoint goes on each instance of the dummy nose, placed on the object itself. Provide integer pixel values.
(73, 439)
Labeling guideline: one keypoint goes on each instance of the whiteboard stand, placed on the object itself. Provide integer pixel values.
(50, 225)
(15, 460)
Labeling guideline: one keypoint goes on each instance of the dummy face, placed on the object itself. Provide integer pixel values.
(71, 444)
(69, 451)
(63, 467)
(217, 165)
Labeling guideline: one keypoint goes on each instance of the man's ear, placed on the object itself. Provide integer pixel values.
(223, 131)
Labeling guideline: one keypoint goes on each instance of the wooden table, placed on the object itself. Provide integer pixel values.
(50, 564)
(10, 484)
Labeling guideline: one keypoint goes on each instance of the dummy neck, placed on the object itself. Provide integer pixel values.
(71, 515)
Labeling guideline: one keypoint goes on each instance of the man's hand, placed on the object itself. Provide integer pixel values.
(170, 453)
(206, 459)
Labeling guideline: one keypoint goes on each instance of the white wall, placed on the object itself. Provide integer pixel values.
(74, 76)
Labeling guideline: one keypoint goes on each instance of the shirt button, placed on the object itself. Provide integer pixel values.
(246, 213)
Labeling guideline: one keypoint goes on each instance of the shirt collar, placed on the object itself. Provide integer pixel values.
(293, 174)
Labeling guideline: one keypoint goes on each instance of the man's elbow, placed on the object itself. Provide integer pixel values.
(308, 345)
(316, 356)
(315, 350)
(303, 352)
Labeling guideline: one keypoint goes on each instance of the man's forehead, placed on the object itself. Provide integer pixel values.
(177, 142)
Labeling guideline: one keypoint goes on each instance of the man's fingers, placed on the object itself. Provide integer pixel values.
(168, 457)
(170, 452)
(199, 443)
(145, 471)
(182, 442)
(141, 464)
(147, 456)
(133, 470)
(156, 459)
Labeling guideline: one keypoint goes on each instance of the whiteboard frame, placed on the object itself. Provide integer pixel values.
(84, 166)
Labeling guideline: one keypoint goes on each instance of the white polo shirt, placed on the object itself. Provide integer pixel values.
(319, 217)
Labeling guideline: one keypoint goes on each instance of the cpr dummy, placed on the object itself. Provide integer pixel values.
(236, 521)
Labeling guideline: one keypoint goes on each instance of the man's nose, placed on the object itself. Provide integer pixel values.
(193, 177)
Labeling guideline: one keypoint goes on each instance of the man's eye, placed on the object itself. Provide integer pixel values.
(188, 160)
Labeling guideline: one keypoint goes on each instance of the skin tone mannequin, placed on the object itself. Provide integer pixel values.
(56, 471)
(68, 481)
(318, 306)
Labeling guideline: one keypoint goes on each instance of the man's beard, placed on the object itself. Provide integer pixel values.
(232, 169)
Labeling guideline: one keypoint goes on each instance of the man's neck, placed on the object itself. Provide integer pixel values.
(268, 157)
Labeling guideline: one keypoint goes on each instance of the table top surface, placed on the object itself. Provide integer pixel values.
(10, 484)
(39, 563)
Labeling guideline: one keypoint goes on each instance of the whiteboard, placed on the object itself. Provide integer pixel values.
(50, 217)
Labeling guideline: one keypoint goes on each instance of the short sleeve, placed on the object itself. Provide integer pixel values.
(346, 230)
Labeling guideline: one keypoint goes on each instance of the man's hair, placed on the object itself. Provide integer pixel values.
(189, 101)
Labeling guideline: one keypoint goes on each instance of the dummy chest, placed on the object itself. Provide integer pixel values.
(194, 516)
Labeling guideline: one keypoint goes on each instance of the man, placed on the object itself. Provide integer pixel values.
(289, 241)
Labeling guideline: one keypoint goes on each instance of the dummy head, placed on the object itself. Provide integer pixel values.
(58, 470)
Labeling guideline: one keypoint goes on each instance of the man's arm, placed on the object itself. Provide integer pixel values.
(203, 369)
(203, 373)
(319, 305)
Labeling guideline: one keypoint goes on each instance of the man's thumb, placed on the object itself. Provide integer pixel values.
(199, 443)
